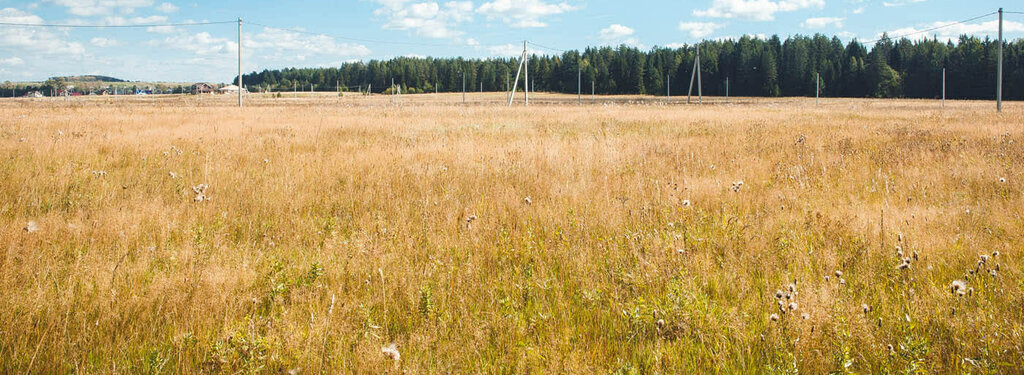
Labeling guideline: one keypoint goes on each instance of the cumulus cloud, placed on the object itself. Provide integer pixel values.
(523, 13)
(822, 22)
(757, 10)
(167, 8)
(122, 21)
(274, 41)
(615, 31)
(899, 3)
(103, 42)
(34, 40)
(12, 61)
(699, 29)
(506, 50)
(87, 8)
(429, 19)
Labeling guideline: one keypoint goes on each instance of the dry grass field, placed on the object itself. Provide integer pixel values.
(621, 236)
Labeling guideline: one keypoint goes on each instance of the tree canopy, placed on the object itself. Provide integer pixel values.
(754, 67)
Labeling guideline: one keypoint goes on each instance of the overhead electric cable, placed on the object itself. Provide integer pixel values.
(930, 29)
(115, 26)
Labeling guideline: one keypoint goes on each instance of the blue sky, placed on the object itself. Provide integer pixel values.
(341, 31)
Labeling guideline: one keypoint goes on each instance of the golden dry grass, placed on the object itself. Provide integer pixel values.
(335, 227)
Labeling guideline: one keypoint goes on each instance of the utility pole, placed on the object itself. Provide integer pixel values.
(240, 61)
(463, 87)
(999, 67)
(817, 86)
(695, 74)
(943, 87)
(668, 86)
(593, 96)
(526, 74)
(726, 90)
(579, 84)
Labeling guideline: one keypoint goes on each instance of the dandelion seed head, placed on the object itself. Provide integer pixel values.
(686, 203)
(391, 351)
(958, 286)
(805, 316)
(778, 294)
(774, 317)
(839, 273)
(865, 308)
(31, 227)
(792, 306)
(1002, 180)
(528, 200)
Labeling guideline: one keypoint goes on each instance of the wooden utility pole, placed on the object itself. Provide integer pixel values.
(239, 62)
(695, 74)
(999, 67)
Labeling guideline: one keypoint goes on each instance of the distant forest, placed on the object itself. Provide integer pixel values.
(753, 66)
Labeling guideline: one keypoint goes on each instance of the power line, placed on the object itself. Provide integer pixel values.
(114, 26)
(931, 29)
(546, 47)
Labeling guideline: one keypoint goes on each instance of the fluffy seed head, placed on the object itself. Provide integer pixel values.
(774, 317)
(391, 351)
(866, 308)
(958, 286)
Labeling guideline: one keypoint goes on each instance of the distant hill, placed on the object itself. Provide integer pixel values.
(90, 78)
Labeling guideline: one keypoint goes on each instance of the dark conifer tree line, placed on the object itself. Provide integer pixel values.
(754, 66)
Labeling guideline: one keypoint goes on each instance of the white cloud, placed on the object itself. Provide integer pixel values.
(822, 22)
(615, 31)
(858, 10)
(87, 8)
(12, 61)
(162, 29)
(271, 42)
(472, 42)
(33, 40)
(103, 42)
(699, 29)
(122, 21)
(988, 28)
(167, 8)
(506, 50)
(428, 19)
(846, 35)
(199, 44)
(757, 10)
(899, 3)
(523, 13)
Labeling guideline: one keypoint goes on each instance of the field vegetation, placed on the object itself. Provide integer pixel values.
(327, 235)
